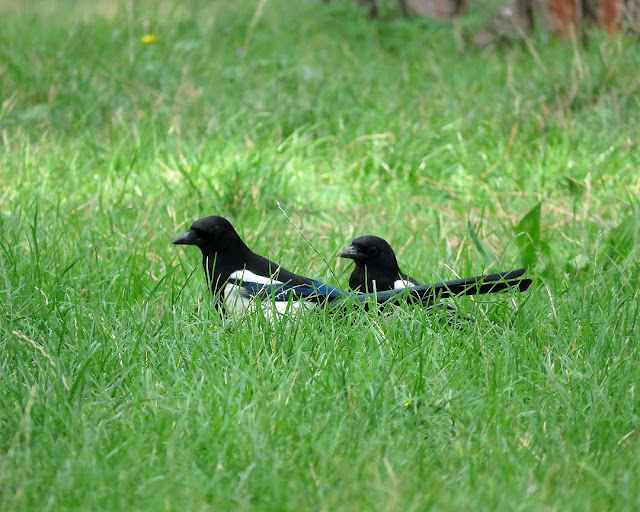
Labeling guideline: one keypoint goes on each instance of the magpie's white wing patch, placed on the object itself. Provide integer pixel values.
(401, 284)
(239, 295)
(246, 276)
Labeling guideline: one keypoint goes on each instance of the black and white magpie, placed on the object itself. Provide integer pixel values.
(376, 271)
(239, 277)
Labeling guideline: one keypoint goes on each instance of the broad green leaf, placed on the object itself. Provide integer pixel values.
(486, 252)
(621, 240)
(528, 236)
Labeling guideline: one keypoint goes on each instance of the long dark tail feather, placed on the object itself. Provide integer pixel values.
(492, 283)
(427, 293)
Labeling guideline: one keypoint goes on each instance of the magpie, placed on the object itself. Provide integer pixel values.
(239, 278)
(377, 272)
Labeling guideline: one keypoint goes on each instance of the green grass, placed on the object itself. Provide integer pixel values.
(120, 386)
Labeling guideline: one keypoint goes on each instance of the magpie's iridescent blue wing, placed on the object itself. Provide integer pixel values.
(316, 291)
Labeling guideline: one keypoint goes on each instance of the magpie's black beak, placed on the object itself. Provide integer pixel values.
(188, 238)
(350, 252)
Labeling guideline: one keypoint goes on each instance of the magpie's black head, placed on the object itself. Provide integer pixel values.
(212, 235)
(372, 252)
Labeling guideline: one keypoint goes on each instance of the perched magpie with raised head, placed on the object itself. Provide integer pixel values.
(239, 277)
(377, 271)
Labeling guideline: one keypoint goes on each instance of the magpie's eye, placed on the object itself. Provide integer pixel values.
(199, 233)
(372, 251)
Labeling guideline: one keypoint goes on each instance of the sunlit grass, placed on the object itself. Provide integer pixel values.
(122, 387)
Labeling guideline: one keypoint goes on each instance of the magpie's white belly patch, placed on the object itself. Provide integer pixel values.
(242, 290)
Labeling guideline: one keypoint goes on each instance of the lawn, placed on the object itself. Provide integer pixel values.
(121, 387)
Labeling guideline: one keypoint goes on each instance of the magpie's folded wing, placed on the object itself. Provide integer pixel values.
(491, 283)
(316, 291)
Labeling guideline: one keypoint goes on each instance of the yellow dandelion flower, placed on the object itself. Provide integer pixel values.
(149, 38)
